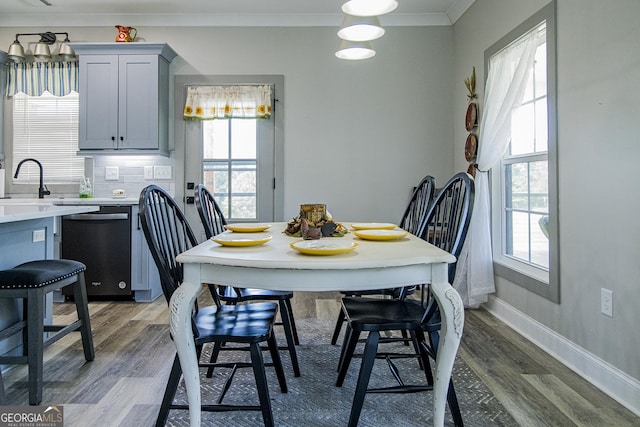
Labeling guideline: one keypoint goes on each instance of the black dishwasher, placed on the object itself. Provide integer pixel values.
(102, 241)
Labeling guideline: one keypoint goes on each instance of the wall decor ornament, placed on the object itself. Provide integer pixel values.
(470, 123)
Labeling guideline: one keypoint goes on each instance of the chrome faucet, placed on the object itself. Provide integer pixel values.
(42, 190)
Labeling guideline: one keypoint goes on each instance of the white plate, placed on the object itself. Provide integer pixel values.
(380, 234)
(231, 239)
(118, 196)
(250, 227)
(326, 246)
(373, 226)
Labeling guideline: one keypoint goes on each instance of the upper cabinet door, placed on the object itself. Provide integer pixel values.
(138, 106)
(98, 125)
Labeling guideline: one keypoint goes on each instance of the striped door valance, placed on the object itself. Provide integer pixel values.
(33, 78)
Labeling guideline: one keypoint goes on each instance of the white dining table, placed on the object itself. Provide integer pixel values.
(371, 265)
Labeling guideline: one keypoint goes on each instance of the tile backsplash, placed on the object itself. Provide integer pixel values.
(129, 173)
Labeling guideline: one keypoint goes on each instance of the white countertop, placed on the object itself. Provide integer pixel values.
(13, 212)
(68, 201)
(98, 201)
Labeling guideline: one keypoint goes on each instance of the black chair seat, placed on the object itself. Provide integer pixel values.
(31, 281)
(250, 294)
(374, 314)
(35, 274)
(248, 328)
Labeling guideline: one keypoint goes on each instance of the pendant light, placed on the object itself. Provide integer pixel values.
(16, 51)
(360, 28)
(355, 50)
(369, 7)
(66, 52)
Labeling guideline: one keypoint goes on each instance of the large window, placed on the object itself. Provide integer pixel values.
(46, 128)
(524, 196)
(525, 172)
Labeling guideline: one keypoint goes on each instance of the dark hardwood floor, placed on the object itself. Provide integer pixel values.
(124, 384)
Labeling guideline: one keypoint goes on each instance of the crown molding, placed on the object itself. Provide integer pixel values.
(214, 20)
(458, 8)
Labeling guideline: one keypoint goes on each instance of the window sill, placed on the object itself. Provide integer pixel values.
(528, 277)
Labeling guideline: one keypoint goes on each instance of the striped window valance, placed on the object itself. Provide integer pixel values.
(34, 78)
(224, 102)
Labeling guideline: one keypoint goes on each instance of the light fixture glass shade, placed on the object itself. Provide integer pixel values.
(360, 28)
(42, 51)
(355, 50)
(369, 7)
(16, 52)
(66, 52)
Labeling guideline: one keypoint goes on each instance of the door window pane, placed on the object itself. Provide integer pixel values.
(216, 139)
(230, 165)
(244, 139)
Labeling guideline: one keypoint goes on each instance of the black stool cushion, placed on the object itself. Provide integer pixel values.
(35, 274)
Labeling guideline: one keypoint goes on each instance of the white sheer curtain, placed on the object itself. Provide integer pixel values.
(509, 71)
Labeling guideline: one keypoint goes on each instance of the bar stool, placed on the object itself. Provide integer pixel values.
(31, 281)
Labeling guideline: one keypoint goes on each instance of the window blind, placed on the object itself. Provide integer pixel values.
(46, 128)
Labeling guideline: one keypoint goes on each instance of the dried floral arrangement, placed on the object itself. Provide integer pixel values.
(470, 83)
(301, 227)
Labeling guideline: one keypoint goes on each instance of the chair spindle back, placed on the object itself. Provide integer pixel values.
(418, 206)
(210, 213)
(167, 233)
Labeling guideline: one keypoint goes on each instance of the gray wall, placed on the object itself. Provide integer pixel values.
(598, 107)
(358, 135)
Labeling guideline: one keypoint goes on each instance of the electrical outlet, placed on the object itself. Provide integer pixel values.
(162, 172)
(148, 172)
(38, 236)
(606, 302)
(111, 173)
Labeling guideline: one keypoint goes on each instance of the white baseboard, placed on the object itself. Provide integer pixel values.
(612, 381)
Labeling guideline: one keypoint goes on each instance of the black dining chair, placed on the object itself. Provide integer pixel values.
(412, 218)
(168, 234)
(214, 222)
(446, 227)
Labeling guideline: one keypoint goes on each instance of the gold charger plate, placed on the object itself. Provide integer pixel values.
(326, 246)
(380, 234)
(230, 239)
(247, 227)
(373, 226)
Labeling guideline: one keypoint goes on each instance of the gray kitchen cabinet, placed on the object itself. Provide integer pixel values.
(124, 97)
(145, 280)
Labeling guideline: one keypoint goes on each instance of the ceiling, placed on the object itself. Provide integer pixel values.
(215, 12)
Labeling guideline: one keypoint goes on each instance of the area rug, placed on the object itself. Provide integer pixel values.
(314, 400)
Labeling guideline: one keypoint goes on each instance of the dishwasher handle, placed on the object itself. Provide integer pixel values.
(98, 217)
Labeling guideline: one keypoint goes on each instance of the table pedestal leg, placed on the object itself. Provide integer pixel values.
(181, 307)
(452, 315)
